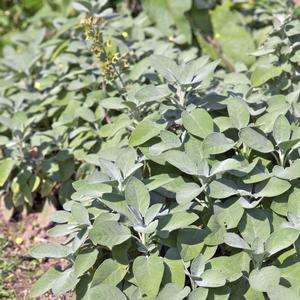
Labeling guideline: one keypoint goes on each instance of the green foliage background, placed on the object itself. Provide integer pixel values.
(167, 134)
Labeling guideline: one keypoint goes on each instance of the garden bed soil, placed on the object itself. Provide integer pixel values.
(18, 270)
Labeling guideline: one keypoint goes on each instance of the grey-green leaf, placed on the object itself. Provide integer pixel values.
(126, 161)
(216, 143)
(84, 261)
(198, 265)
(54, 250)
(281, 129)
(177, 220)
(281, 239)
(271, 187)
(254, 224)
(181, 161)
(198, 122)
(165, 67)
(109, 233)
(256, 140)
(86, 114)
(222, 188)
(137, 195)
(105, 292)
(238, 113)
(234, 240)
(6, 167)
(67, 281)
(170, 138)
(212, 278)
(152, 93)
(264, 279)
(144, 131)
(109, 272)
(198, 294)
(45, 283)
(289, 173)
(280, 292)
(188, 192)
(148, 272)
(264, 73)
(80, 213)
(190, 242)
(172, 291)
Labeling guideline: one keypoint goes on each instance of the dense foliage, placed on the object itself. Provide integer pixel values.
(172, 146)
(51, 113)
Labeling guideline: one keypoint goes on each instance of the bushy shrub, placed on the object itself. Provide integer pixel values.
(54, 98)
(198, 197)
(53, 105)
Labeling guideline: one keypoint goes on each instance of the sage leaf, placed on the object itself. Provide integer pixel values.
(145, 268)
(198, 122)
(109, 233)
(255, 139)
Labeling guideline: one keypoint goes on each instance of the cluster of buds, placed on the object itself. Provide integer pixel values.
(93, 33)
(112, 63)
(91, 27)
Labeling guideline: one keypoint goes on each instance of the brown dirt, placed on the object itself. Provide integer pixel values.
(18, 270)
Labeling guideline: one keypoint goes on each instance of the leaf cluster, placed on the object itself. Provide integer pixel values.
(179, 177)
(199, 201)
